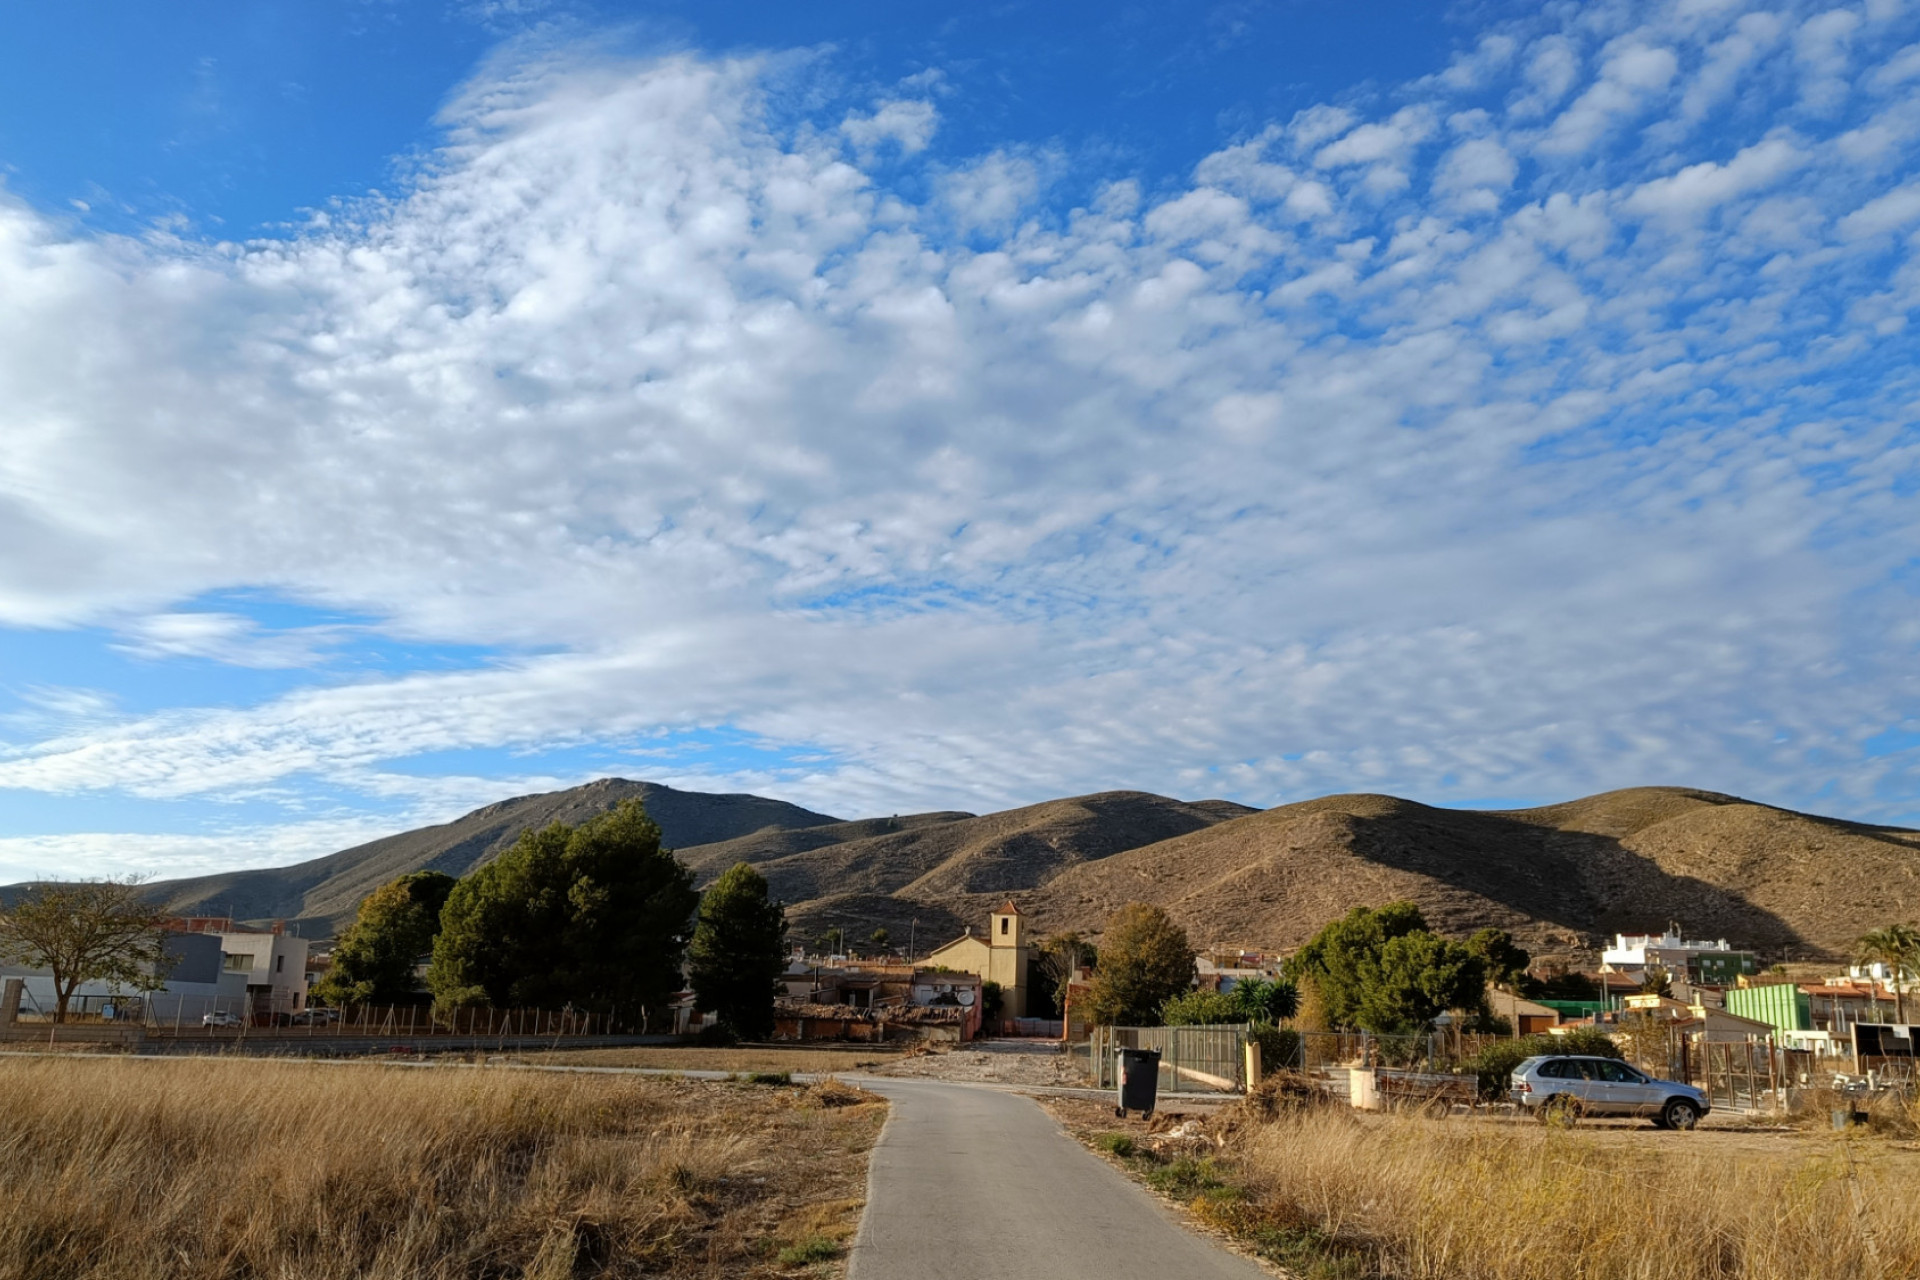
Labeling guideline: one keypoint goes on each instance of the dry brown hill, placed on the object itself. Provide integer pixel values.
(709, 860)
(946, 871)
(1559, 877)
(323, 894)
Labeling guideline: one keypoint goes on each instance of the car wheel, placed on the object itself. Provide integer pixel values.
(1560, 1109)
(1679, 1114)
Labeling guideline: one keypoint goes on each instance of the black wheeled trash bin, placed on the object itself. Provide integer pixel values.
(1139, 1080)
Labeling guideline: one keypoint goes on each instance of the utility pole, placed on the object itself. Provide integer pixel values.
(913, 933)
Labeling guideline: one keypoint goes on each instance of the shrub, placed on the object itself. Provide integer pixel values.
(1118, 1144)
(812, 1249)
(1495, 1062)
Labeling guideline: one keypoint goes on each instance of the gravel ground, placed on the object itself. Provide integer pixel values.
(1030, 1063)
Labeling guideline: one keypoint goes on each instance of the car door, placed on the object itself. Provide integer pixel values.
(1631, 1093)
(1570, 1077)
(1594, 1085)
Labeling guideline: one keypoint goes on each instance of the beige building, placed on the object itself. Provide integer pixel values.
(1001, 956)
(275, 965)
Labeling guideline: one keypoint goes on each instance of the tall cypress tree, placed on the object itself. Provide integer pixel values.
(738, 952)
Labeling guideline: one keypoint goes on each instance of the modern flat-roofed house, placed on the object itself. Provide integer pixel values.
(270, 963)
(1702, 963)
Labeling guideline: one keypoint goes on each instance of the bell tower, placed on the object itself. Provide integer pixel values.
(1007, 958)
(1006, 926)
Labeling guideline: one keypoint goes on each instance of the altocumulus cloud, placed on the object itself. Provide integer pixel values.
(1541, 426)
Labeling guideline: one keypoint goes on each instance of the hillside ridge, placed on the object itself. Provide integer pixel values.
(1560, 877)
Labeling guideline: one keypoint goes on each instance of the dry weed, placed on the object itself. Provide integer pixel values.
(135, 1170)
(1498, 1201)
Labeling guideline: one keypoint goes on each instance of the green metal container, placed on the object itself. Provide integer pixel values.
(1782, 1005)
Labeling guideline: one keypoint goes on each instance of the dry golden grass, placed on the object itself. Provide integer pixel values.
(131, 1170)
(1511, 1202)
(812, 1060)
(1330, 1192)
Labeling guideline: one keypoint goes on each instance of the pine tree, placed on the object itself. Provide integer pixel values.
(738, 952)
(595, 916)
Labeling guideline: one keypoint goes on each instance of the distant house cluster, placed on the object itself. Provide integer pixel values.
(214, 965)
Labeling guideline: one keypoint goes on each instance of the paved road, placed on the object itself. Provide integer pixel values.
(971, 1182)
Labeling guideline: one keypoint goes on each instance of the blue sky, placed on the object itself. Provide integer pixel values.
(914, 406)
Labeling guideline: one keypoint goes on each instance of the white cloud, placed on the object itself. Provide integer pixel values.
(991, 193)
(1889, 212)
(1630, 77)
(226, 637)
(1823, 48)
(1476, 173)
(908, 123)
(1701, 187)
(1260, 482)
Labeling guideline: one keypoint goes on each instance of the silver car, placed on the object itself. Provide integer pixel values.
(1567, 1086)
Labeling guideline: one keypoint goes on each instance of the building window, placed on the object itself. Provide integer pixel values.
(279, 964)
(239, 962)
(1004, 922)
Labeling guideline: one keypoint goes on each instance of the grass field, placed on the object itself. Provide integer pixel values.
(810, 1059)
(1329, 1192)
(116, 1169)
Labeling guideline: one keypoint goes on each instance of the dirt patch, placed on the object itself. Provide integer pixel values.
(1033, 1064)
(750, 1058)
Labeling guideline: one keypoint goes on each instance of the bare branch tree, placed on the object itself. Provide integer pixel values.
(94, 931)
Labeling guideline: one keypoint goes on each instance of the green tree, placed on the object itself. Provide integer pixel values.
(1253, 1001)
(396, 925)
(1898, 947)
(93, 931)
(1655, 980)
(596, 916)
(1269, 1001)
(834, 941)
(992, 1000)
(1416, 977)
(879, 938)
(1506, 962)
(1202, 1009)
(1145, 961)
(1336, 959)
(738, 952)
(1055, 962)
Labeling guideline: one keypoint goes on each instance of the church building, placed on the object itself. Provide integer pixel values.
(1001, 956)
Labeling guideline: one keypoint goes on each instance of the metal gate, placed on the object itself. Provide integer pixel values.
(1192, 1059)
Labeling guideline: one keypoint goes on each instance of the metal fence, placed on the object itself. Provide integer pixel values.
(1744, 1076)
(1192, 1059)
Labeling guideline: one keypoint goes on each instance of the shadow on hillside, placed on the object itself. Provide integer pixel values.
(1583, 883)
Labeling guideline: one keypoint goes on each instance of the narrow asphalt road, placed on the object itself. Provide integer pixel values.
(970, 1182)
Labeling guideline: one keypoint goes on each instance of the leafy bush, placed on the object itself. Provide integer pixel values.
(1118, 1144)
(770, 1077)
(1201, 1009)
(1253, 1001)
(1279, 1050)
(1495, 1062)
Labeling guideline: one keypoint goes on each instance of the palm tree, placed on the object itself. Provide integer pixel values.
(1898, 947)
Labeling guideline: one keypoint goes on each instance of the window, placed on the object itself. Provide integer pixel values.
(238, 962)
(1004, 922)
(279, 964)
(1556, 1069)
